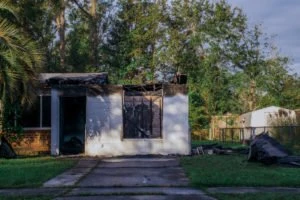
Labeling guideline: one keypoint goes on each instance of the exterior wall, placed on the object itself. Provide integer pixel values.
(32, 143)
(104, 125)
(176, 136)
(105, 128)
(266, 116)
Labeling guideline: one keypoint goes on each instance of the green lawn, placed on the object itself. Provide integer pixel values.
(233, 170)
(31, 172)
(26, 198)
(258, 196)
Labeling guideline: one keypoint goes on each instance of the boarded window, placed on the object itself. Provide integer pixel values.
(142, 110)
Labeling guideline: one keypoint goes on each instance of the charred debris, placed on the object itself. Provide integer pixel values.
(263, 148)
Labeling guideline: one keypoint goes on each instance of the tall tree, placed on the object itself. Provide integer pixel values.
(263, 70)
(201, 36)
(93, 13)
(134, 39)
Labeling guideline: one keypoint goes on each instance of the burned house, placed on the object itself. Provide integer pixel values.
(85, 114)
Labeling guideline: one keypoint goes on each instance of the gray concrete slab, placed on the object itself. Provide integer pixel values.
(243, 190)
(133, 173)
(138, 162)
(141, 197)
(139, 171)
(87, 162)
(72, 176)
(135, 191)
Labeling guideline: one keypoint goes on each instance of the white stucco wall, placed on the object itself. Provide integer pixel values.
(261, 117)
(105, 126)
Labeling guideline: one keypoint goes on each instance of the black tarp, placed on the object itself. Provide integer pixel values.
(267, 150)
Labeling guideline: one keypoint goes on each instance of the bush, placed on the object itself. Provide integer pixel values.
(202, 134)
(287, 131)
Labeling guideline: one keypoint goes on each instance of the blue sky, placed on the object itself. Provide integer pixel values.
(280, 18)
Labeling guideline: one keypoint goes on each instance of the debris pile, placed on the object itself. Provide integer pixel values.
(72, 146)
(215, 148)
(267, 150)
(6, 150)
(263, 148)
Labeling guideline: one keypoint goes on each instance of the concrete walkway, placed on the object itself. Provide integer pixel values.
(72, 176)
(139, 172)
(126, 178)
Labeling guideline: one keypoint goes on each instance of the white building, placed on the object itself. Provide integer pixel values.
(261, 120)
(90, 116)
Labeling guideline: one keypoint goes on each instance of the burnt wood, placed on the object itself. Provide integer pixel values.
(142, 116)
(92, 79)
(172, 89)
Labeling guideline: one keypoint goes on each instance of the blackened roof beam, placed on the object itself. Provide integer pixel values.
(60, 79)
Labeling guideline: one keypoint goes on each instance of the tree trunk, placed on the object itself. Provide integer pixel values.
(94, 41)
(252, 101)
(60, 23)
(1, 115)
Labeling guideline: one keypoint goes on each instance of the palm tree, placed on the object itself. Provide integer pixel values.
(20, 60)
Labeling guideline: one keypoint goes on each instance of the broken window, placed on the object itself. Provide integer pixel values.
(142, 110)
(39, 114)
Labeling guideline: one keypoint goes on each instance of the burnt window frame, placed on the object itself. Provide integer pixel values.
(160, 90)
(40, 123)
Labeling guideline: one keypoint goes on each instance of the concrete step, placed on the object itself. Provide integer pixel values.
(134, 191)
(139, 197)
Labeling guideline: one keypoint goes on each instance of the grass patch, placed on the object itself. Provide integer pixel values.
(234, 170)
(26, 197)
(31, 172)
(258, 196)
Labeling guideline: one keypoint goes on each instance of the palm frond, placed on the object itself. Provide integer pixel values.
(7, 6)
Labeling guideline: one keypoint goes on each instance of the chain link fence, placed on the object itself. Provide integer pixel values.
(286, 135)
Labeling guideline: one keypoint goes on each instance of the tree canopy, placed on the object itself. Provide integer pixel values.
(231, 66)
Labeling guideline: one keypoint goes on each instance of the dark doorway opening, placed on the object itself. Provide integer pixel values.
(72, 124)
